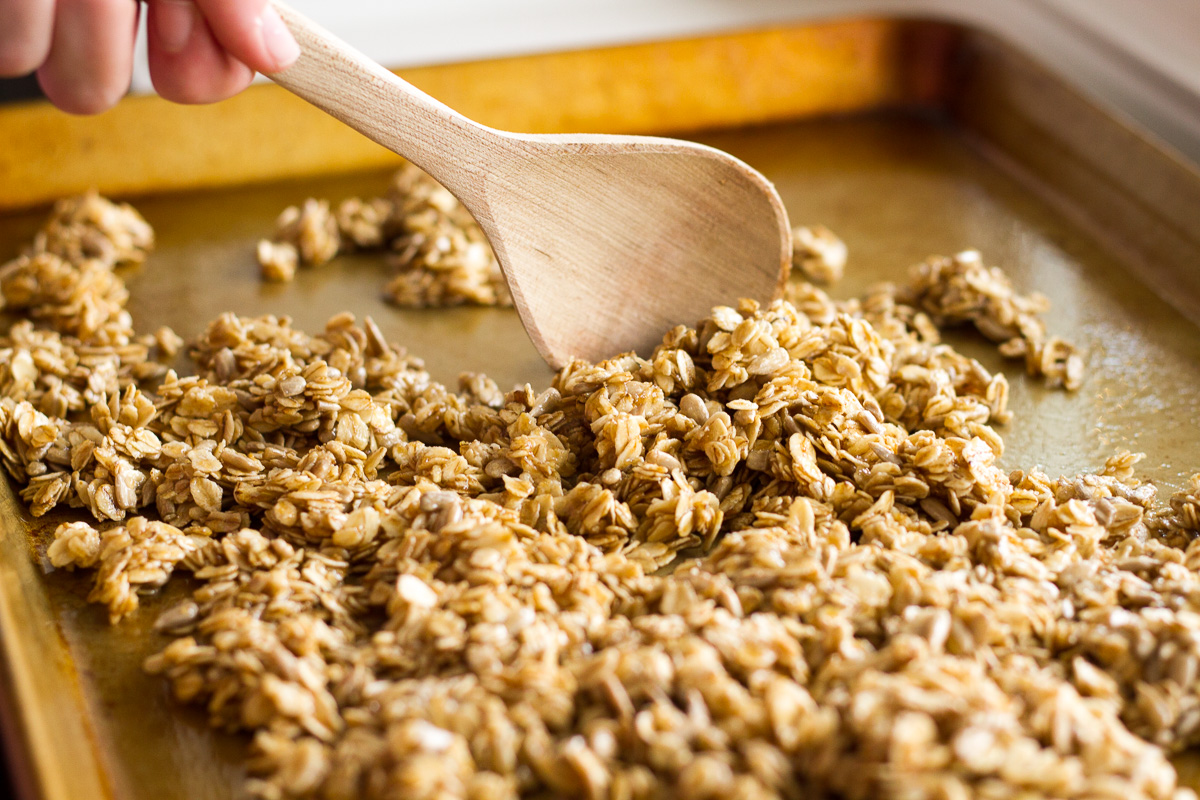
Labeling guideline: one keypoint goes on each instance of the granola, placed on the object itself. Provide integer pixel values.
(774, 559)
(438, 254)
(818, 254)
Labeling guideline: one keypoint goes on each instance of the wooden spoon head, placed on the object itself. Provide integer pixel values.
(609, 242)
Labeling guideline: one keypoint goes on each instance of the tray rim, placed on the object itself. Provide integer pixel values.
(146, 145)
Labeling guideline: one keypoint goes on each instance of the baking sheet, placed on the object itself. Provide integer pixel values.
(897, 187)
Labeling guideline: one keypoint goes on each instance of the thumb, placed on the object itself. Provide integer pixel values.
(252, 32)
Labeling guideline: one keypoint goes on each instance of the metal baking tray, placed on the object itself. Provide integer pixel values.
(910, 138)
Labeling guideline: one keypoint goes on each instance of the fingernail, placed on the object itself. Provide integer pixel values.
(278, 40)
(174, 21)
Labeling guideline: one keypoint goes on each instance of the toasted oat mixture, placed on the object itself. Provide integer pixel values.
(818, 255)
(439, 255)
(406, 591)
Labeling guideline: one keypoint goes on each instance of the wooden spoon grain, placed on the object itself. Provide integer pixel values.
(606, 241)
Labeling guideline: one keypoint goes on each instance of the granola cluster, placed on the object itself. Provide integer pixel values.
(818, 254)
(962, 290)
(439, 255)
(775, 559)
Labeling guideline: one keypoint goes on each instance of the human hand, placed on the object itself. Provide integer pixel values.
(200, 51)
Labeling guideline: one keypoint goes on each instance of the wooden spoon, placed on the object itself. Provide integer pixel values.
(606, 241)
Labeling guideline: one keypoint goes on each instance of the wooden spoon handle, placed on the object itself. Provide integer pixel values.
(343, 82)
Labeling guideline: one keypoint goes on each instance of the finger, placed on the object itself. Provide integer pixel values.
(91, 54)
(252, 32)
(187, 64)
(25, 28)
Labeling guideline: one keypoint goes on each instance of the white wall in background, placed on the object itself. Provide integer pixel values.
(1140, 56)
